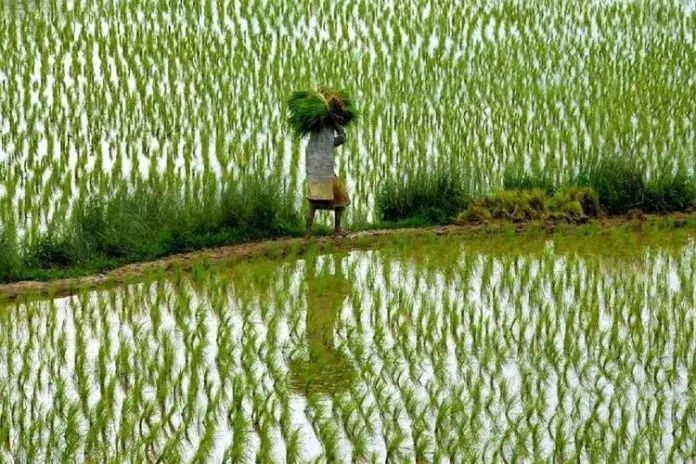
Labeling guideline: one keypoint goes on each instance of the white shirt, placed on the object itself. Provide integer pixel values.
(319, 158)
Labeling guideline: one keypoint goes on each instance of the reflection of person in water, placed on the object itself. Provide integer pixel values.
(326, 369)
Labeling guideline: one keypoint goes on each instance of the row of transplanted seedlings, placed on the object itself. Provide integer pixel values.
(113, 93)
(455, 355)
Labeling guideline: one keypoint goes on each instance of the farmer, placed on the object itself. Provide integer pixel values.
(325, 191)
(322, 115)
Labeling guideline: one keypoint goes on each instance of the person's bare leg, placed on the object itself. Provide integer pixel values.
(337, 224)
(310, 220)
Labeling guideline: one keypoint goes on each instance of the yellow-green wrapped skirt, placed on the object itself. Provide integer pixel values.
(328, 195)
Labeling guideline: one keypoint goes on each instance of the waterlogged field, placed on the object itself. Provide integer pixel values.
(99, 95)
(435, 352)
(532, 349)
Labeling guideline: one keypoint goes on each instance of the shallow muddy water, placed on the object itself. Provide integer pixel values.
(440, 350)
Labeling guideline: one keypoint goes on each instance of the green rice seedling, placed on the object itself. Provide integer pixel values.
(394, 444)
(266, 444)
(205, 445)
(171, 451)
(71, 435)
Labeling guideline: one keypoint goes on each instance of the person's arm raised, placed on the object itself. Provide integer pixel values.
(340, 137)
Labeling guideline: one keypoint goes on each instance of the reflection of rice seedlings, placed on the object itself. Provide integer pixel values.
(292, 446)
(71, 435)
(394, 444)
(206, 443)
(171, 451)
(264, 453)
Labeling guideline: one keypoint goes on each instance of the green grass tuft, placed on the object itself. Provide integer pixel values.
(9, 261)
(260, 205)
(150, 222)
(515, 179)
(619, 181)
(436, 196)
(671, 192)
(622, 185)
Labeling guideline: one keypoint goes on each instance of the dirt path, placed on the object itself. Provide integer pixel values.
(277, 248)
(231, 254)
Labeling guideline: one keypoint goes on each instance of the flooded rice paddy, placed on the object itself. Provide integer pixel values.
(446, 350)
(100, 95)
(438, 350)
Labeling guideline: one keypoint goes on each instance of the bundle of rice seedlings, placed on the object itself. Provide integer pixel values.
(313, 110)
(342, 111)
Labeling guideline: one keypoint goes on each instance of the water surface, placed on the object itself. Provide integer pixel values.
(431, 350)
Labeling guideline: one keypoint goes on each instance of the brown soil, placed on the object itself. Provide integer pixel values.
(276, 248)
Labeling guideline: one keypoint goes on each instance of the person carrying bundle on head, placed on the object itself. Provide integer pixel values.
(323, 115)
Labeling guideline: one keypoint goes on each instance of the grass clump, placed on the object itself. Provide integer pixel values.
(431, 197)
(622, 185)
(619, 181)
(670, 192)
(260, 206)
(516, 205)
(9, 261)
(131, 225)
(51, 250)
(514, 179)
(572, 204)
(149, 222)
